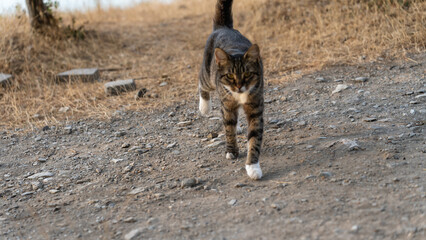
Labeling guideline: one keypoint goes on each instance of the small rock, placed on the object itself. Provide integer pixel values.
(85, 75)
(184, 124)
(137, 191)
(53, 191)
(301, 123)
(320, 79)
(119, 134)
(134, 234)
(159, 195)
(125, 145)
(361, 79)
(352, 144)
(119, 86)
(310, 177)
(188, 182)
(36, 185)
(117, 160)
(42, 160)
(278, 205)
(339, 88)
(240, 185)
(215, 144)
(370, 119)
(45, 128)
(129, 220)
(171, 145)
(325, 175)
(41, 175)
(141, 93)
(127, 169)
(232, 202)
(163, 84)
(27, 193)
(421, 96)
(354, 228)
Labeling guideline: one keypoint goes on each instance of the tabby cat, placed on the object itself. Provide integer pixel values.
(233, 67)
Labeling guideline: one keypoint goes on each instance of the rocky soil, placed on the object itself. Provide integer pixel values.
(343, 158)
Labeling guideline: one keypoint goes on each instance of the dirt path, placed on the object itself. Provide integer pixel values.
(348, 165)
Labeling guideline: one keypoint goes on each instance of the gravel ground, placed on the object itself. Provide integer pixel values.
(343, 158)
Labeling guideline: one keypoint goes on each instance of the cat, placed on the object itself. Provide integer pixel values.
(232, 66)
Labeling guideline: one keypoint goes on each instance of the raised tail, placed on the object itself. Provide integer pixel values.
(223, 15)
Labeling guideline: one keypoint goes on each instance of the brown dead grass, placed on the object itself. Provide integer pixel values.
(152, 40)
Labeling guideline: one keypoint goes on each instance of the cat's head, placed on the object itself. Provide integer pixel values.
(239, 73)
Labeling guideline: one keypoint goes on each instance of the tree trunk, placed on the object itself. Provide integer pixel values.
(40, 16)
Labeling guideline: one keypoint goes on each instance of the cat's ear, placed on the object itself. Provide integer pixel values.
(221, 56)
(253, 54)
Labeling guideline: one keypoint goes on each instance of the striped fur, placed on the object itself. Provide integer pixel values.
(232, 67)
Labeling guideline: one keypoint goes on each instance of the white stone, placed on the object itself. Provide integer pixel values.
(41, 175)
(339, 88)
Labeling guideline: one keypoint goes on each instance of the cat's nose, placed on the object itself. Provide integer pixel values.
(239, 86)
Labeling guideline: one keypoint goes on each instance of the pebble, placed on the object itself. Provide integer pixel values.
(41, 175)
(215, 144)
(352, 144)
(278, 205)
(36, 185)
(171, 145)
(354, 228)
(320, 79)
(117, 160)
(134, 234)
(42, 160)
(127, 169)
(184, 124)
(339, 88)
(125, 145)
(232, 202)
(129, 220)
(370, 119)
(163, 84)
(325, 175)
(421, 96)
(189, 182)
(119, 134)
(137, 191)
(53, 191)
(361, 79)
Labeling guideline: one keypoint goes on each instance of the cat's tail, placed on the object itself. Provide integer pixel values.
(223, 15)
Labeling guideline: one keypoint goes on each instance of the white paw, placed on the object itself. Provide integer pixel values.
(205, 106)
(230, 156)
(254, 171)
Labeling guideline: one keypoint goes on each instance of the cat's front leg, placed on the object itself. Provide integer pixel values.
(230, 120)
(254, 114)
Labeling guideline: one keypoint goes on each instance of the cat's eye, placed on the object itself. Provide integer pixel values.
(247, 74)
(230, 76)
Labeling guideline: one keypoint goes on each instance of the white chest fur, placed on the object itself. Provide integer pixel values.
(241, 98)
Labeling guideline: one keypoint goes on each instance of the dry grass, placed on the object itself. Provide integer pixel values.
(151, 40)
